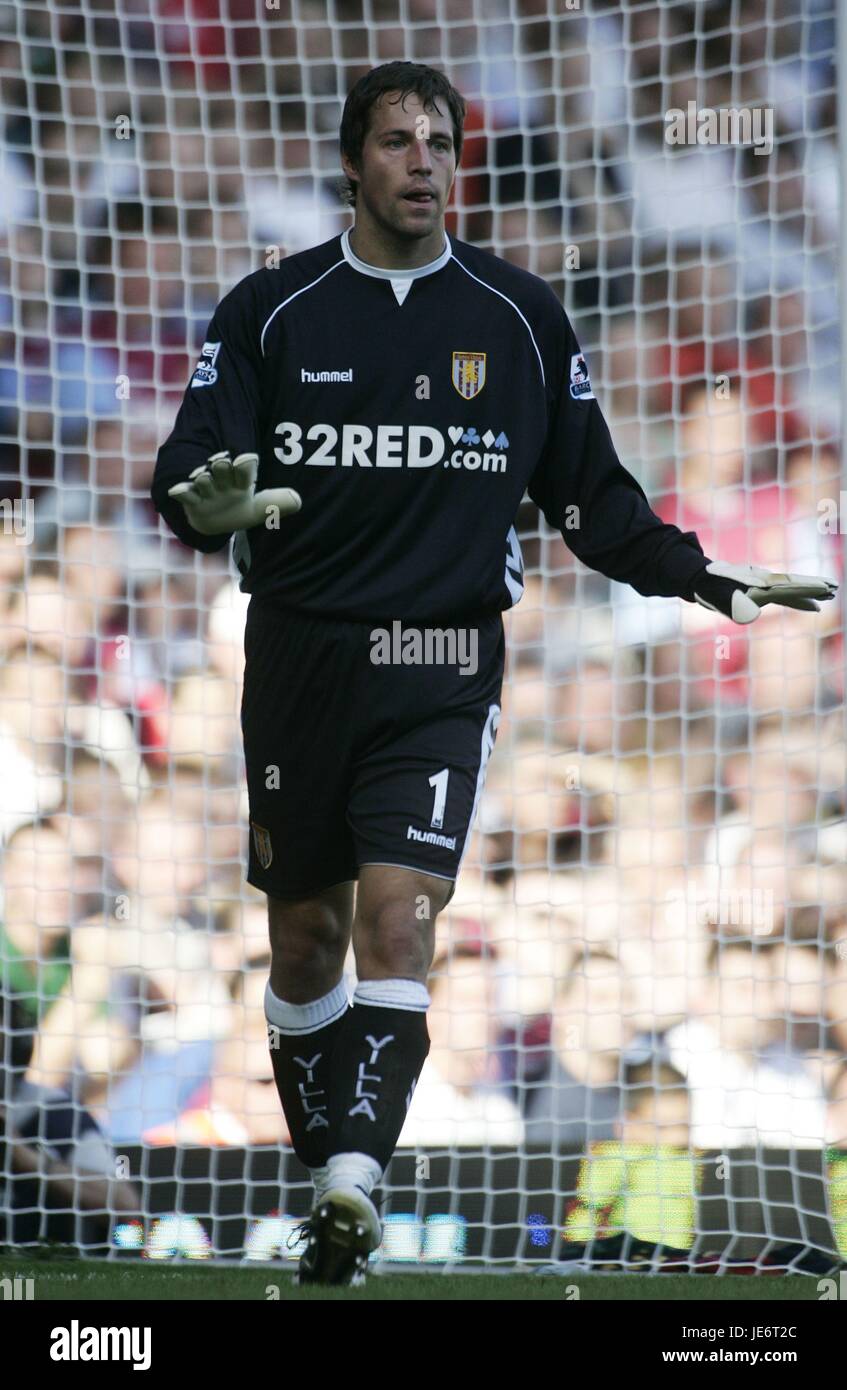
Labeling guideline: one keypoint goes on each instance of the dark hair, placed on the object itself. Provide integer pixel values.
(427, 83)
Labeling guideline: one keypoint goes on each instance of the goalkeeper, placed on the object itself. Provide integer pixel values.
(365, 419)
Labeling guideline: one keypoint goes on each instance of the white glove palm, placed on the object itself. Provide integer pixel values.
(221, 496)
(740, 592)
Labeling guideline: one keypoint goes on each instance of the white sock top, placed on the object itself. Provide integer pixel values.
(393, 994)
(305, 1018)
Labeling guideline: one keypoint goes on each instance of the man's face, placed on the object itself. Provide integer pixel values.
(596, 1011)
(38, 881)
(407, 167)
(743, 999)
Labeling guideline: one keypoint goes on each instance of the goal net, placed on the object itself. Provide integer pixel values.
(639, 993)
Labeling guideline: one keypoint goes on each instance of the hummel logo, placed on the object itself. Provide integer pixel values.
(429, 837)
(326, 376)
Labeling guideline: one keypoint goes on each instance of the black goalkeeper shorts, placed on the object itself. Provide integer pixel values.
(363, 745)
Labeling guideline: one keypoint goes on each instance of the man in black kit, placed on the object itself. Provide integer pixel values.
(393, 394)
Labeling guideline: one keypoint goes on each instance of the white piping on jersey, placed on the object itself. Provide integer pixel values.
(486, 748)
(514, 567)
(405, 277)
(310, 286)
(486, 286)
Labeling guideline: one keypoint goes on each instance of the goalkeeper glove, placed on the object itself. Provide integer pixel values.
(740, 592)
(221, 496)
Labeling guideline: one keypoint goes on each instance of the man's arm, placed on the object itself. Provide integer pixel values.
(586, 493)
(93, 1192)
(219, 411)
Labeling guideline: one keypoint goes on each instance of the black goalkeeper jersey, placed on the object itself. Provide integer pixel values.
(411, 410)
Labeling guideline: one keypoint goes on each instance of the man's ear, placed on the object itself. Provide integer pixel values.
(453, 180)
(349, 168)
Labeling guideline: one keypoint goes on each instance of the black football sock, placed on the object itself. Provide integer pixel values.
(301, 1039)
(379, 1055)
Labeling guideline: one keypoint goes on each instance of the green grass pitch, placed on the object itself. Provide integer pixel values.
(77, 1280)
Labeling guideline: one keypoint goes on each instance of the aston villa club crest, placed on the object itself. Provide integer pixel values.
(262, 845)
(468, 373)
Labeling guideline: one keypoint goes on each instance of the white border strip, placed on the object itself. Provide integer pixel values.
(486, 286)
(294, 296)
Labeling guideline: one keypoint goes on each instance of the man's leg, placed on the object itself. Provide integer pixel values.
(305, 1004)
(383, 1040)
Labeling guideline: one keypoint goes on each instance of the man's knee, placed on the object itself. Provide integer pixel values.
(310, 936)
(394, 929)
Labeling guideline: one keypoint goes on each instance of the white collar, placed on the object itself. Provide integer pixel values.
(382, 274)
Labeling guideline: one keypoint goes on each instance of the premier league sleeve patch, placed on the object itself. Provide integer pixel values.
(580, 381)
(206, 373)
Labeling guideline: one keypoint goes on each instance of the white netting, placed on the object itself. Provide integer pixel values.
(658, 869)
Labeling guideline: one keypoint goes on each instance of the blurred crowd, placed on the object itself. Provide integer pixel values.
(649, 938)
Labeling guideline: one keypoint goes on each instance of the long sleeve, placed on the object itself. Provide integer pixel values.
(586, 493)
(219, 409)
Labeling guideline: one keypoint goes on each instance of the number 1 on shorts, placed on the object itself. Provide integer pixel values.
(439, 782)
